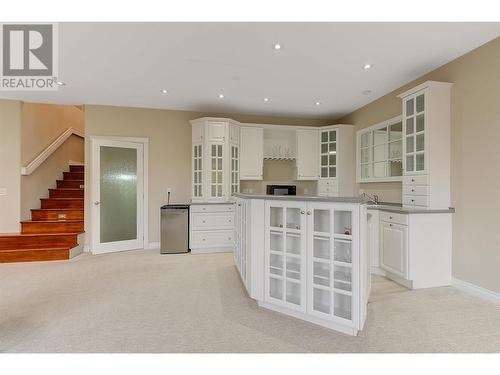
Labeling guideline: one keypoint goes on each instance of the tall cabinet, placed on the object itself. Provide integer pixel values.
(215, 159)
(336, 162)
(426, 145)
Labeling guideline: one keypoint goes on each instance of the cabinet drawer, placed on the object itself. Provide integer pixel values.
(222, 238)
(392, 217)
(331, 182)
(327, 189)
(213, 220)
(212, 208)
(415, 190)
(416, 180)
(416, 200)
(330, 194)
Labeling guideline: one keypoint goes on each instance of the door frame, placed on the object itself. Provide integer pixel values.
(91, 196)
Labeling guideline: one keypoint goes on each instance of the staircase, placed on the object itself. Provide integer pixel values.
(54, 229)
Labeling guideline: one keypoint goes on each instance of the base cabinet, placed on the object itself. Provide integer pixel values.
(415, 249)
(211, 228)
(312, 257)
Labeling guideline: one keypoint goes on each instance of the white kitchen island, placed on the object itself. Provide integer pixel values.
(305, 257)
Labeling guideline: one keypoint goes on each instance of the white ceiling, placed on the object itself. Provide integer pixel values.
(127, 64)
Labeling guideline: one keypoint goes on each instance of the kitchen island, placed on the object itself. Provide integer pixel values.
(305, 257)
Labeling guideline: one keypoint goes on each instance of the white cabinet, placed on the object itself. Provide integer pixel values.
(285, 259)
(211, 228)
(312, 261)
(426, 145)
(394, 246)
(252, 153)
(336, 161)
(307, 154)
(215, 159)
(415, 249)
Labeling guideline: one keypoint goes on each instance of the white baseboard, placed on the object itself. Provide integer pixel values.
(72, 162)
(476, 290)
(211, 250)
(377, 271)
(153, 245)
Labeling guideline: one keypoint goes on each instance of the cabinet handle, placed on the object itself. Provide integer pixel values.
(390, 217)
(390, 225)
(203, 208)
(413, 200)
(229, 220)
(308, 212)
(412, 180)
(302, 212)
(203, 239)
(203, 221)
(412, 190)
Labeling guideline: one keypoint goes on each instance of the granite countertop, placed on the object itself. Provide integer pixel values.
(307, 198)
(399, 209)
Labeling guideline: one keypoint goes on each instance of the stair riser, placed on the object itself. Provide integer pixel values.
(55, 227)
(33, 255)
(73, 176)
(60, 203)
(41, 241)
(76, 168)
(55, 193)
(70, 184)
(54, 215)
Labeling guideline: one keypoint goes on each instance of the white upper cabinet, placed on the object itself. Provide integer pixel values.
(307, 155)
(426, 145)
(336, 161)
(252, 153)
(215, 159)
(216, 131)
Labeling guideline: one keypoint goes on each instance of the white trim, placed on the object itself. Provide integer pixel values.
(49, 150)
(423, 86)
(475, 290)
(212, 250)
(73, 162)
(153, 245)
(145, 172)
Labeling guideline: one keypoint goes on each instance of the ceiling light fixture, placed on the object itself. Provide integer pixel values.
(164, 91)
(266, 99)
(221, 96)
(317, 103)
(277, 46)
(367, 66)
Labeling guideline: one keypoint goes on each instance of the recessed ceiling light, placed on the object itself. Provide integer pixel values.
(277, 46)
(317, 103)
(366, 92)
(221, 96)
(164, 91)
(367, 66)
(266, 99)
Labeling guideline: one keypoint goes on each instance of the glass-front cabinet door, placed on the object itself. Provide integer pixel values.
(285, 255)
(197, 170)
(328, 154)
(332, 277)
(216, 170)
(235, 169)
(414, 123)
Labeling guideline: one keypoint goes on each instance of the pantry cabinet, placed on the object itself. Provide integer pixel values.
(215, 159)
(426, 145)
(336, 161)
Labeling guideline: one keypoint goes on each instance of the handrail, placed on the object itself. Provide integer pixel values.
(49, 150)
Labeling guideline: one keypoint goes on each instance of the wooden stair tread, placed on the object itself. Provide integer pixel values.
(66, 189)
(56, 209)
(38, 249)
(65, 198)
(52, 221)
(6, 235)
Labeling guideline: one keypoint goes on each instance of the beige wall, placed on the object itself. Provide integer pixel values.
(10, 165)
(475, 160)
(41, 125)
(169, 134)
(278, 172)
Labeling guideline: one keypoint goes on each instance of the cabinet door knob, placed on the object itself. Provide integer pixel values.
(302, 212)
(412, 180)
(390, 217)
(308, 212)
(413, 200)
(412, 190)
(390, 225)
(203, 221)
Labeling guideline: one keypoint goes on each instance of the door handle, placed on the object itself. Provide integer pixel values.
(97, 203)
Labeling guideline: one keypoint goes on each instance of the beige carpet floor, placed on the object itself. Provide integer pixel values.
(145, 302)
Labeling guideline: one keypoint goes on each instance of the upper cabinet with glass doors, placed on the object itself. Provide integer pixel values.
(426, 145)
(215, 159)
(379, 152)
(336, 164)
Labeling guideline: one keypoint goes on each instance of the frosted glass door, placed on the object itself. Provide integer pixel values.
(117, 196)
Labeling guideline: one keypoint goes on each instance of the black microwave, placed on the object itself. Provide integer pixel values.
(281, 190)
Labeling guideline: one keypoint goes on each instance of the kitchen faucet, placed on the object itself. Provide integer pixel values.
(371, 198)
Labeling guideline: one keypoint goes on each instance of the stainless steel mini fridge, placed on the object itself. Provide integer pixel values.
(174, 229)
